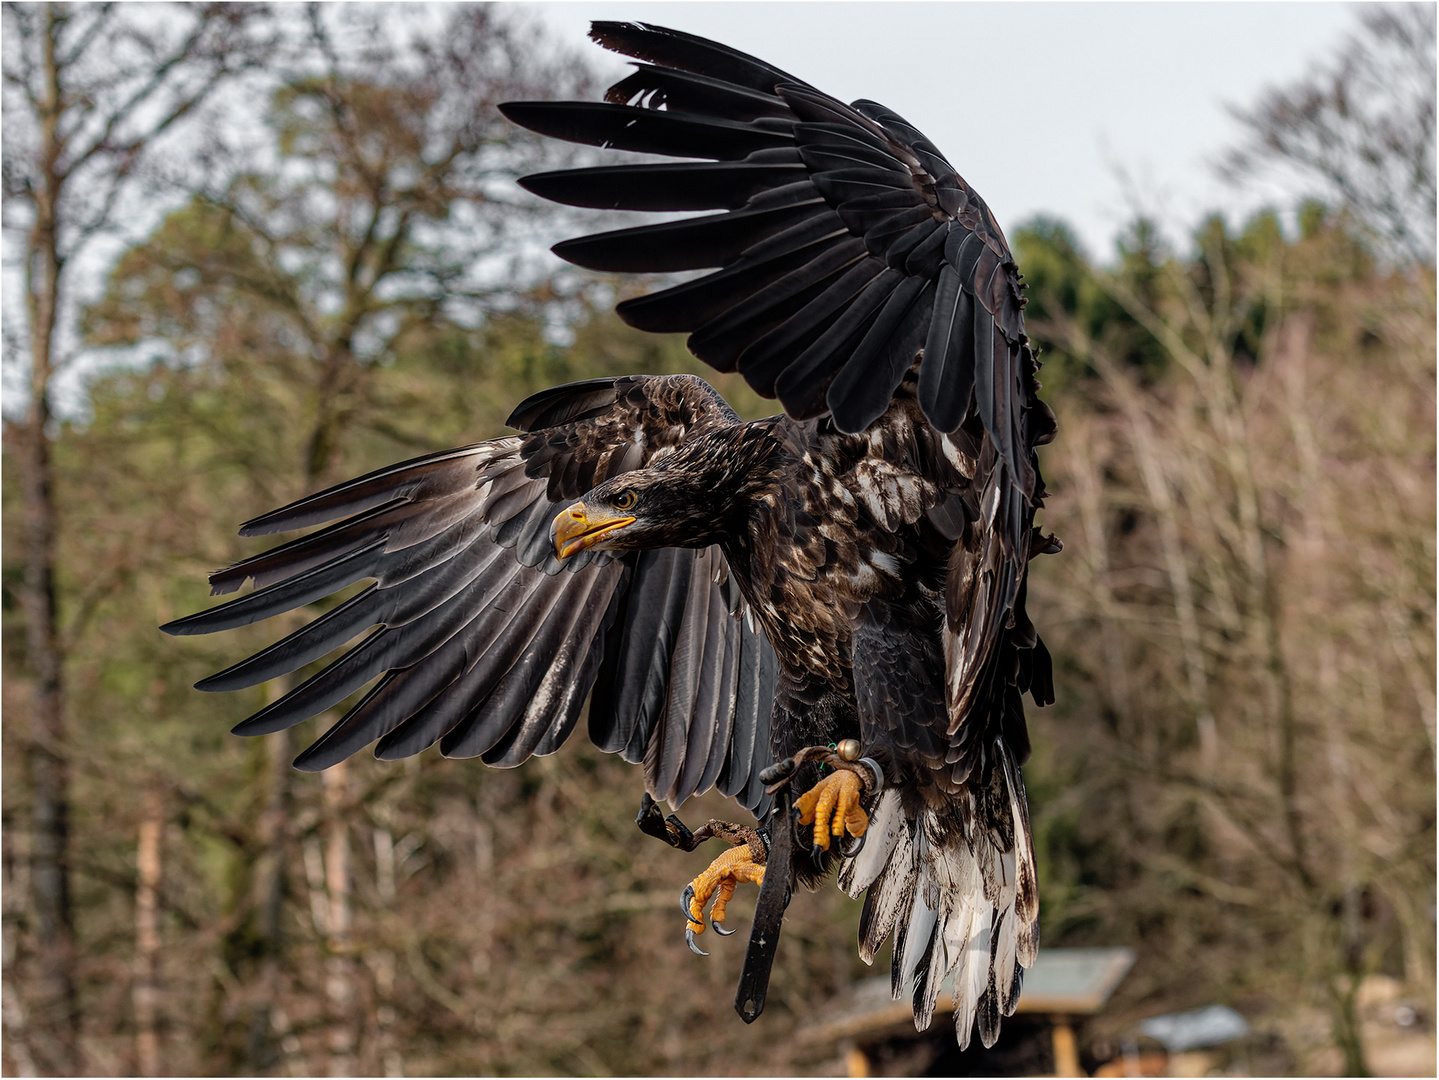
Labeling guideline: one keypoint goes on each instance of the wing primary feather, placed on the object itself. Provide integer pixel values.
(686, 186)
(946, 375)
(381, 651)
(293, 592)
(660, 45)
(306, 552)
(685, 91)
(415, 480)
(402, 523)
(689, 244)
(880, 360)
(687, 661)
(685, 307)
(645, 131)
(374, 606)
(395, 697)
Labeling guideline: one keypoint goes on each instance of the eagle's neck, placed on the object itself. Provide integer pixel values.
(781, 560)
(762, 466)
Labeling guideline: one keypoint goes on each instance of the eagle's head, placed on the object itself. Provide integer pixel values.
(642, 510)
(693, 498)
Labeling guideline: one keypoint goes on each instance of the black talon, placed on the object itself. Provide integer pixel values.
(851, 852)
(651, 823)
(685, 898)
(816, 852)
(720, 930)
(690, 941)
(682, 838)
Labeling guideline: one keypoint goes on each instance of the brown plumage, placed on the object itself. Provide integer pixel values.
(852, 569)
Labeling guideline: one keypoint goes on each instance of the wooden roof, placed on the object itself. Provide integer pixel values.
(1074, 982)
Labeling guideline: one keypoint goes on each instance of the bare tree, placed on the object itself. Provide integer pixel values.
(1360, 130)
(1254, 547)
(90, 90)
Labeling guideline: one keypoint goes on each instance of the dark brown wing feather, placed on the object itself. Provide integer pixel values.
(482, 640)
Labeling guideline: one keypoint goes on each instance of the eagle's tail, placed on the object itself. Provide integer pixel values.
(958, 887)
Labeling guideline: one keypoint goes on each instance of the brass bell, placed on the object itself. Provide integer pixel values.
(847, 749)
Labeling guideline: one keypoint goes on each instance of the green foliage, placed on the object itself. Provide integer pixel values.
(1066, 297)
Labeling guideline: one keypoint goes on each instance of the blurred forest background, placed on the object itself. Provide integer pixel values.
(266, 249)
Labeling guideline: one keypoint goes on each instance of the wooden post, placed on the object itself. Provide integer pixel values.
(856, 1061)
(1066, 1048)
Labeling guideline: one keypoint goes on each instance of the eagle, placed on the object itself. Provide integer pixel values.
(821, 613)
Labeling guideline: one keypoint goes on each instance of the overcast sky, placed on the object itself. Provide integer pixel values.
(1081, 110)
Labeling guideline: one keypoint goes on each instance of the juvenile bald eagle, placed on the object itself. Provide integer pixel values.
(832, 599)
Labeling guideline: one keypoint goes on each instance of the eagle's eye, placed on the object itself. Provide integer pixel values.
(623, 500)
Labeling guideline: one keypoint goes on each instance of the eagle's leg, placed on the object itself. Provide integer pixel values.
(745, 862)
(833, 806)
(742, 863)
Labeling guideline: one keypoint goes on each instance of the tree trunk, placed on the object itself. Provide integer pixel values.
(1343, 992)
(269, 896)
(339, 965)
(16, 1037)
(147, 936)
(53, 988)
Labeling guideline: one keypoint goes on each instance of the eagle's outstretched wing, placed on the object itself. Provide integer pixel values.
(848, 242)
(485, 642)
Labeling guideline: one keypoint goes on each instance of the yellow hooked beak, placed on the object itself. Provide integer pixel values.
(574, 529)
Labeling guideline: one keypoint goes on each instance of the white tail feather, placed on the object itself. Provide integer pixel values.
(935, 968)
(886, 823)
(1026, 878)
(889, 895)
(1005, 958)
(973, 973)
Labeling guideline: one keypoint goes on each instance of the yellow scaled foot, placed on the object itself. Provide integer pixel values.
(832, 806)
(733, 868)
